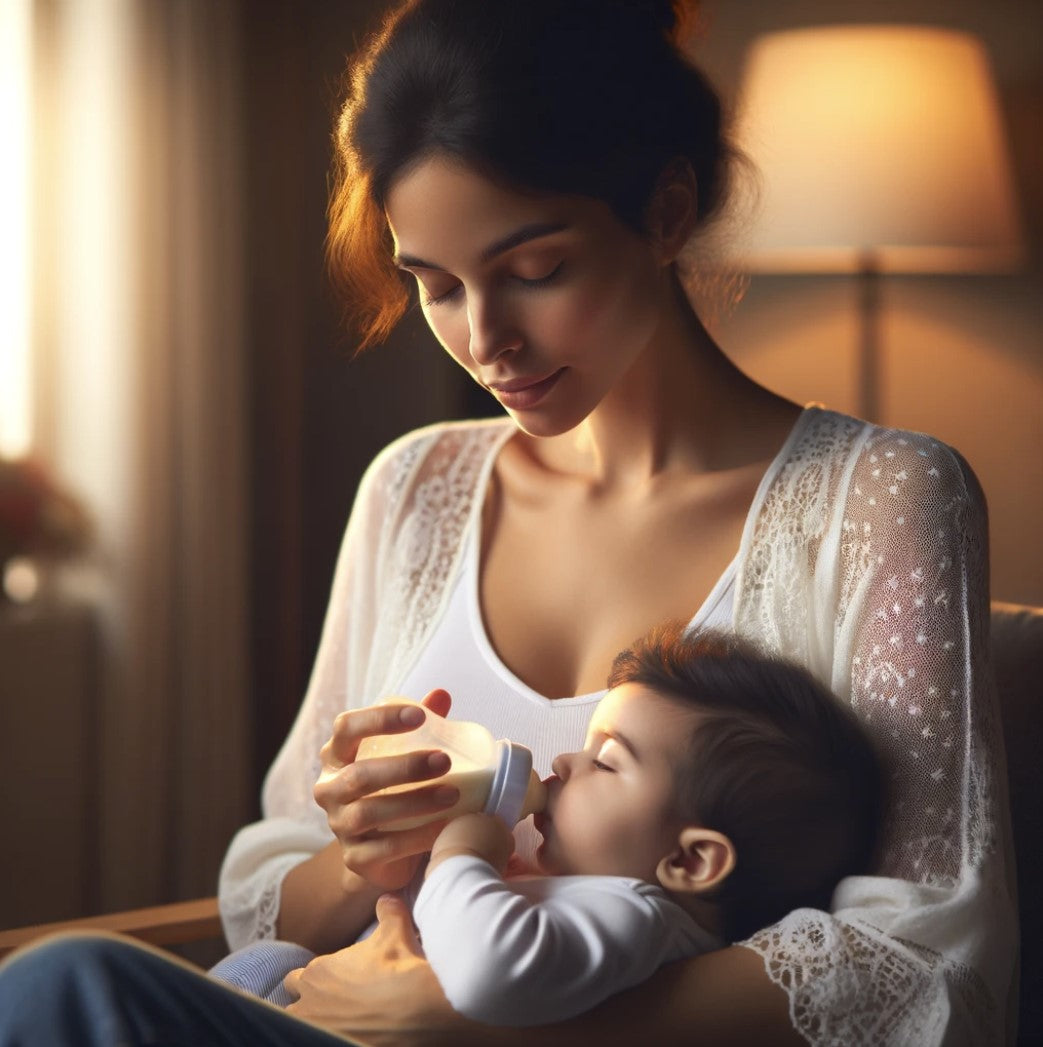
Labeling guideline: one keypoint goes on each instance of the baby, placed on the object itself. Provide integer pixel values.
(718, 789)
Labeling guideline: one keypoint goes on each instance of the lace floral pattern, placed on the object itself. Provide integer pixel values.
(867, 562)
(849, 984)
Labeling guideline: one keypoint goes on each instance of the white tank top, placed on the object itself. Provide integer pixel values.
(460, 658)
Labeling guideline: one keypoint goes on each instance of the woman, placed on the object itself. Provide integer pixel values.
(539, 169)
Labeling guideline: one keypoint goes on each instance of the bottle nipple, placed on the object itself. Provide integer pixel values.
(535, 797)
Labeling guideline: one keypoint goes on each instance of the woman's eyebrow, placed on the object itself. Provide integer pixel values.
(523, 235)
(533, 231)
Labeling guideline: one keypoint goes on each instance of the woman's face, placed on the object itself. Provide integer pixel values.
(547, 301)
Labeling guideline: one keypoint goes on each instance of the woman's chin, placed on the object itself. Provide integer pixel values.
(545, 424)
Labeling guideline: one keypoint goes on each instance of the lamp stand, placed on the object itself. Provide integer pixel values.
(869, 364)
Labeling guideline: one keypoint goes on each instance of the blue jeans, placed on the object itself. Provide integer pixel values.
(94, 990)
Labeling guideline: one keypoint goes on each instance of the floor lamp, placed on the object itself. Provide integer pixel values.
(880, 151)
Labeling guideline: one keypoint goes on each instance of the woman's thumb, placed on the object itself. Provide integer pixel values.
(438, 701)
(395, 928)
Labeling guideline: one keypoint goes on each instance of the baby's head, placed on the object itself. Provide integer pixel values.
(721, 773)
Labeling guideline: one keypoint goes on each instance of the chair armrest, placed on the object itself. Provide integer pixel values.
(174, 924)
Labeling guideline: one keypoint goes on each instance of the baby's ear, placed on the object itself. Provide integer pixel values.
(703, 860)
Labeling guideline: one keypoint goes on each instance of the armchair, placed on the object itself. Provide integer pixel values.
(174, 924)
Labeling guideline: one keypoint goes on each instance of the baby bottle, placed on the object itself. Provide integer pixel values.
(494, 777)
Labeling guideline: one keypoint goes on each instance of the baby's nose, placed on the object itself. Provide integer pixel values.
(562, 765)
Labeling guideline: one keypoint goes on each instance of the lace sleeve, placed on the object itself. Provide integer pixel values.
(400, 552)
(294, 827)
(895, 573)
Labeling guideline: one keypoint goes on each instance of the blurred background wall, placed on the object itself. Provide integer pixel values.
(245, 424)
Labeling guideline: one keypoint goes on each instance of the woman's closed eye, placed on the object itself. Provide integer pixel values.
(435, 286)
(539, 281)
(440, 296)
(438, 299)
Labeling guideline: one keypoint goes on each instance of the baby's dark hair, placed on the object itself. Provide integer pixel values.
(586, 97)
(776, 763)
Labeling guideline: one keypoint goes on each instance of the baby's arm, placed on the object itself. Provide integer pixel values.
(481, 836)
(536, 951)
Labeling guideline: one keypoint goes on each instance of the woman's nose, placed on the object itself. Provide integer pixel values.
(491, 334)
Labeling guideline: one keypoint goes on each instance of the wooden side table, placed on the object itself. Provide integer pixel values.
(50, 673)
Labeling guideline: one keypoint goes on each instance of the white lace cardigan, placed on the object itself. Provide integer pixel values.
(864, 558)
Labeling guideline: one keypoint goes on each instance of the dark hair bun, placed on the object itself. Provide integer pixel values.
(667, 17)
(663, 13)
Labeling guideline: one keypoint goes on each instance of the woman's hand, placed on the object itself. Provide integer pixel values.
(381, 989)
(385, 858)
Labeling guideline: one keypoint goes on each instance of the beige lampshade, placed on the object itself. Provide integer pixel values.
(877, 145)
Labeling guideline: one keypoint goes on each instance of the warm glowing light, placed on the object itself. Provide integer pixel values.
(880, 143)
(15, 211)
(94, 287)
(21, 579)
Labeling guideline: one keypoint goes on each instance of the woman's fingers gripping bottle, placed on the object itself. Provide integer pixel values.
(493, 776)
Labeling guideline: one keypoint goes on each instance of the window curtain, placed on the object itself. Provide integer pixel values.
(141, 410)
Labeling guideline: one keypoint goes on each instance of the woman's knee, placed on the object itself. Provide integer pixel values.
(65, 989)
(70, 951)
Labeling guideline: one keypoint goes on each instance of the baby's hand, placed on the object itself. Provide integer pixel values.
(480, 835)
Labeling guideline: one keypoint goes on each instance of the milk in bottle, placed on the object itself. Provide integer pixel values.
(493, 776)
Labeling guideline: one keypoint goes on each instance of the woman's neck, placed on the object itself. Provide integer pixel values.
(683, 407)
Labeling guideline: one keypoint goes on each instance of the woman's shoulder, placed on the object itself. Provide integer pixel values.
(436, 448)
(879, 451)
(885, 472)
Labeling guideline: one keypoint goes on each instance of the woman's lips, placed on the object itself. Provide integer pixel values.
(522, 394)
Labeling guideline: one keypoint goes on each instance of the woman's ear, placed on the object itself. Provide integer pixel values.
(673, 210)
(703, 860)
